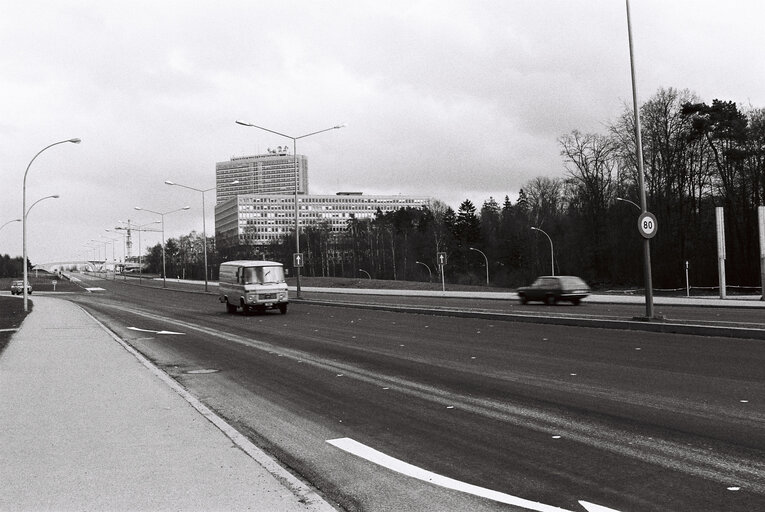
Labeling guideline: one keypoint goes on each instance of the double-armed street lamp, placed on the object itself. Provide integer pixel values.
(430, 274)
(204, 221)
(162, 215)
(24, 214)
(552, 256)
(294, 163)
(486, 260)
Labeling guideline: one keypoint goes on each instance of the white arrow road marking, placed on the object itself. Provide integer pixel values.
(365, 452)
(155, 332)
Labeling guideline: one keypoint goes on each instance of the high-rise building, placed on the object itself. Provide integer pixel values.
(271, 173)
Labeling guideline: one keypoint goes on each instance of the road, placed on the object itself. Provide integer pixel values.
(548, 417)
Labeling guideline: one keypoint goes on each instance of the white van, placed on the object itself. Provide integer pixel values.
(253, 285)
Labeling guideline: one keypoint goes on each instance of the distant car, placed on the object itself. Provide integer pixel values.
(17, 288)
(551, 289)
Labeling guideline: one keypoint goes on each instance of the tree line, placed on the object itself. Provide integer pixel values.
(697, 156)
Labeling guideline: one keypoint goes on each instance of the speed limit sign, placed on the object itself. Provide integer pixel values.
(647, 225)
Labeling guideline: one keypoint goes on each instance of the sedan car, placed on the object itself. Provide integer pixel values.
(551, 289)
(17, 288)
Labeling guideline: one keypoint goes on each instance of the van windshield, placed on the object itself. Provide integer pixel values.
(263, 275)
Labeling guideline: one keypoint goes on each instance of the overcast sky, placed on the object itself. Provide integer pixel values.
(450, 99)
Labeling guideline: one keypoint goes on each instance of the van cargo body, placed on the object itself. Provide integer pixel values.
(253, 286)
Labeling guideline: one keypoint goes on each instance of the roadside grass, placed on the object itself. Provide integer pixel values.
(11, 316)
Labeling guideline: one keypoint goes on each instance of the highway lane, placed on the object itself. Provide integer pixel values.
(645, 421)
(720, 315)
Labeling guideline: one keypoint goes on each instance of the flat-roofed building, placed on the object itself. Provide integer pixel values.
(271, 173)
(258, 219)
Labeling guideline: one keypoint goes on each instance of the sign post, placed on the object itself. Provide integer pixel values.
(761, 219)
(441, 258)
(720, 220)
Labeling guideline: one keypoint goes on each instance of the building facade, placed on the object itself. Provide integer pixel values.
(271, 173)
(258, 219)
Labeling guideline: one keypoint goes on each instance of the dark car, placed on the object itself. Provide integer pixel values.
(551, 289)
(17, 288)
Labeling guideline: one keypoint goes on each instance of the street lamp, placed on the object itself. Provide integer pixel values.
(487, 263)
(24, 214)
(630, 202)
(294, 163)
(14, 220)
(139, 228)
(430, 274)
(114, 258)
(552, 257)
(204, 228)
(367, 273)
(162, 215)
(641, 177)
(24, 222)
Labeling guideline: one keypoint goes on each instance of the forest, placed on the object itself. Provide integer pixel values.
(698, 156)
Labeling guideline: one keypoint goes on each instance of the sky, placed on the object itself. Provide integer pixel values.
(452, 99)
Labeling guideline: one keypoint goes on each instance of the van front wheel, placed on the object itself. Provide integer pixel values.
(283, 309)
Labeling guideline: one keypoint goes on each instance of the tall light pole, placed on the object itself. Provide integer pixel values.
(630, 202)
(641, 177)
(204, 228)
(294, 163)
(367, 273)
(430, 274)
(552, 257)
(24, 214)
(162, 215)
(486, 260)
(24, 223)
(14, 220)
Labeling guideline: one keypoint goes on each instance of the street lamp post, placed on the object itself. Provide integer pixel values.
(367, 273)
(204, 228)
(294, 163)
(24, 223)
(14, 220)
(487, 263)
(630, 202)
(641, 177)
(430, 274)
(162, 215)
(552, 257)
(24, 214)
(124, 251)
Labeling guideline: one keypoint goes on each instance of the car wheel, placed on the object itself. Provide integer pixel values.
(524, 299)
(283, 309)
(550, 300)
(576, 302)
(230, 308)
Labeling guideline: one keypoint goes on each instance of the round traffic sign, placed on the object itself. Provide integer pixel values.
(647, 225)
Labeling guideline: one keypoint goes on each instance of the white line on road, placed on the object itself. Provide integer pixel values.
(365, 452)
(155, 332)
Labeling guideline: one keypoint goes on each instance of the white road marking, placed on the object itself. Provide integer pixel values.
(155, 332)
(95, 289)
(365, 452)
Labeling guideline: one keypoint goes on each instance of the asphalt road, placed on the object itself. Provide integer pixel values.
(555, 415)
